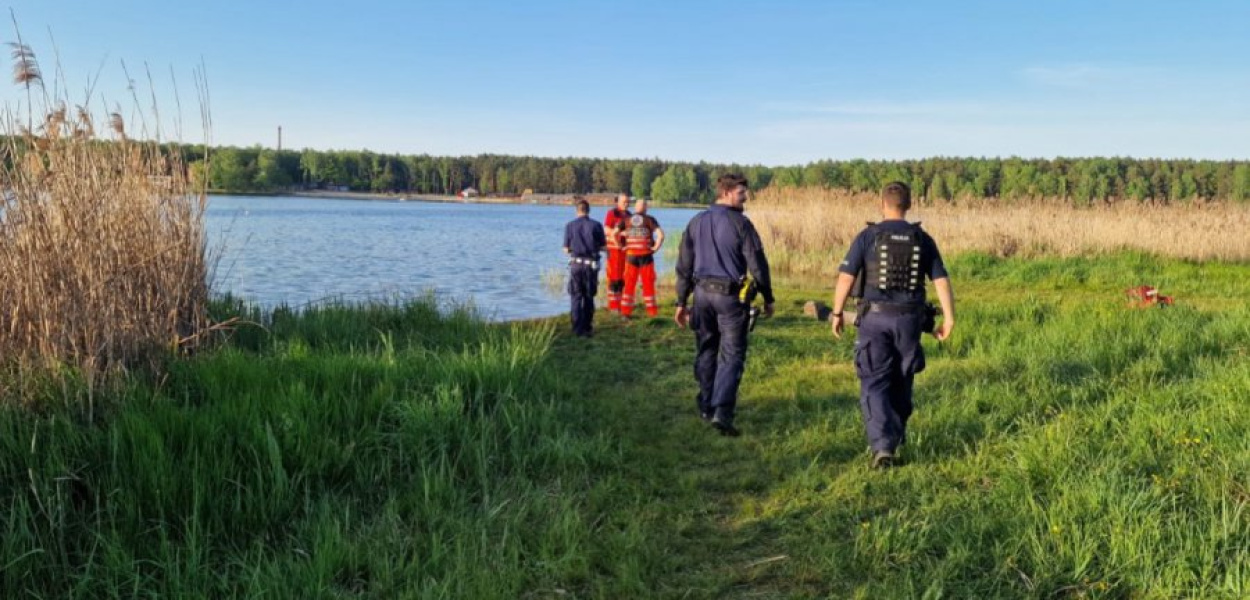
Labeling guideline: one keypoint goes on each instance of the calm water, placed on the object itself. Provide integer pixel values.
(309, 250)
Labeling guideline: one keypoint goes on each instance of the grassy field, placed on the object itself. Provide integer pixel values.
(1064, 446)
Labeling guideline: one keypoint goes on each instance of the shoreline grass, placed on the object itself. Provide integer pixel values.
(1063, 446)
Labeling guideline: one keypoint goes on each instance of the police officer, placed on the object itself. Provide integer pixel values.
(583, 241)
(718, 250)
(892, 259)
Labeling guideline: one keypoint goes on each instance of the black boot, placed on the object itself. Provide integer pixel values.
(705, 412)
(724, 423)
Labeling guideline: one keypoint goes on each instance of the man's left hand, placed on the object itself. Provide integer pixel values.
(768, 310)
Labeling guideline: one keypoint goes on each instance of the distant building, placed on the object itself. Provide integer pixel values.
(468, 192)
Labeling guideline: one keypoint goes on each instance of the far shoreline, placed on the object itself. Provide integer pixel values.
(538, 199)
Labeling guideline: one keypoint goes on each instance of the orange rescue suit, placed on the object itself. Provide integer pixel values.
(639, 263)
(615, 223)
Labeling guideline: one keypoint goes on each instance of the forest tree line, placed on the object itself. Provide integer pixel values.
(1079, 181)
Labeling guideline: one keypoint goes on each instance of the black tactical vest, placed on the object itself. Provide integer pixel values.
(893, 262)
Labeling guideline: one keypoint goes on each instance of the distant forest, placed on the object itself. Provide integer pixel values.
(1078, 181)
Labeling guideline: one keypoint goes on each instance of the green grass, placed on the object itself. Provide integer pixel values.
(368, 451)
(1064, 446)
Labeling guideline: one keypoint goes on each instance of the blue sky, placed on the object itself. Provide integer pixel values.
(755, 82)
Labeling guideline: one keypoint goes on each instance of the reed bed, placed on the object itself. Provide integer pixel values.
(103, 261)
(806, 230)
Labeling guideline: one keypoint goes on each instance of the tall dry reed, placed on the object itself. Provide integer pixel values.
(806, 230)
(102, 246)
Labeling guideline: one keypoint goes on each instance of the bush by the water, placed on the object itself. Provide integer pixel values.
(103, 263)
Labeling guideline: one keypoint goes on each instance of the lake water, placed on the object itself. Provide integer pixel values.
(303, 251)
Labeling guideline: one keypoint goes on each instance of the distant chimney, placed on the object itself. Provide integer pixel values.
(279, 138)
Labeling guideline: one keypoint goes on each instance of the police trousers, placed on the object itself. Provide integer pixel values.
(887, 357)
(583, 284)
(720, 332)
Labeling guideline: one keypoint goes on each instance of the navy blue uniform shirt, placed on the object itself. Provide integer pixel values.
(583, 237)
(721, 243)
(930, 261)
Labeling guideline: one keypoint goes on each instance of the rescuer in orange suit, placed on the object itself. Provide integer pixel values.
(643, 238)
(614, 230)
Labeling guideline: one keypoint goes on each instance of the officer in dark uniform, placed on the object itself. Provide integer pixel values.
(892, 259)
(583, 241)
(718, 250)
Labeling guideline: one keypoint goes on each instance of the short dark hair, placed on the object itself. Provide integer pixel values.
(896, 195)
(583, 207)
(729, 182)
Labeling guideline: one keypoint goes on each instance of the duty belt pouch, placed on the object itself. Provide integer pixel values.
(640, 261)
(717, 286)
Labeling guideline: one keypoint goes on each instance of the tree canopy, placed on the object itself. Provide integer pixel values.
(1078, 181)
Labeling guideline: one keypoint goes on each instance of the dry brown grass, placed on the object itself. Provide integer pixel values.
(102, 247)
(806, 230)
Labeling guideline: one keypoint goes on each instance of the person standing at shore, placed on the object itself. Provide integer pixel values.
(614, 229)
(719, 249)
(583, 241)
(891, 259)
(643, 238)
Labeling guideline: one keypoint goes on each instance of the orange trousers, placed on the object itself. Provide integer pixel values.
(616, 277)
(632, 274)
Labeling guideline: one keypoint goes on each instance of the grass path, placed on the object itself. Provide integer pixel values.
(691, 482)
(711, 501)
(1063, 446)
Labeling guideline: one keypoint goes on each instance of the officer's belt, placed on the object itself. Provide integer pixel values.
(890, 308)
(720, 286)
(594, 264)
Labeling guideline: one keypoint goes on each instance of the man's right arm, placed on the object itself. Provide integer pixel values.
(685, 268)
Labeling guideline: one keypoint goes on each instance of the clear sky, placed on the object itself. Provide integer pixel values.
(743, 81)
